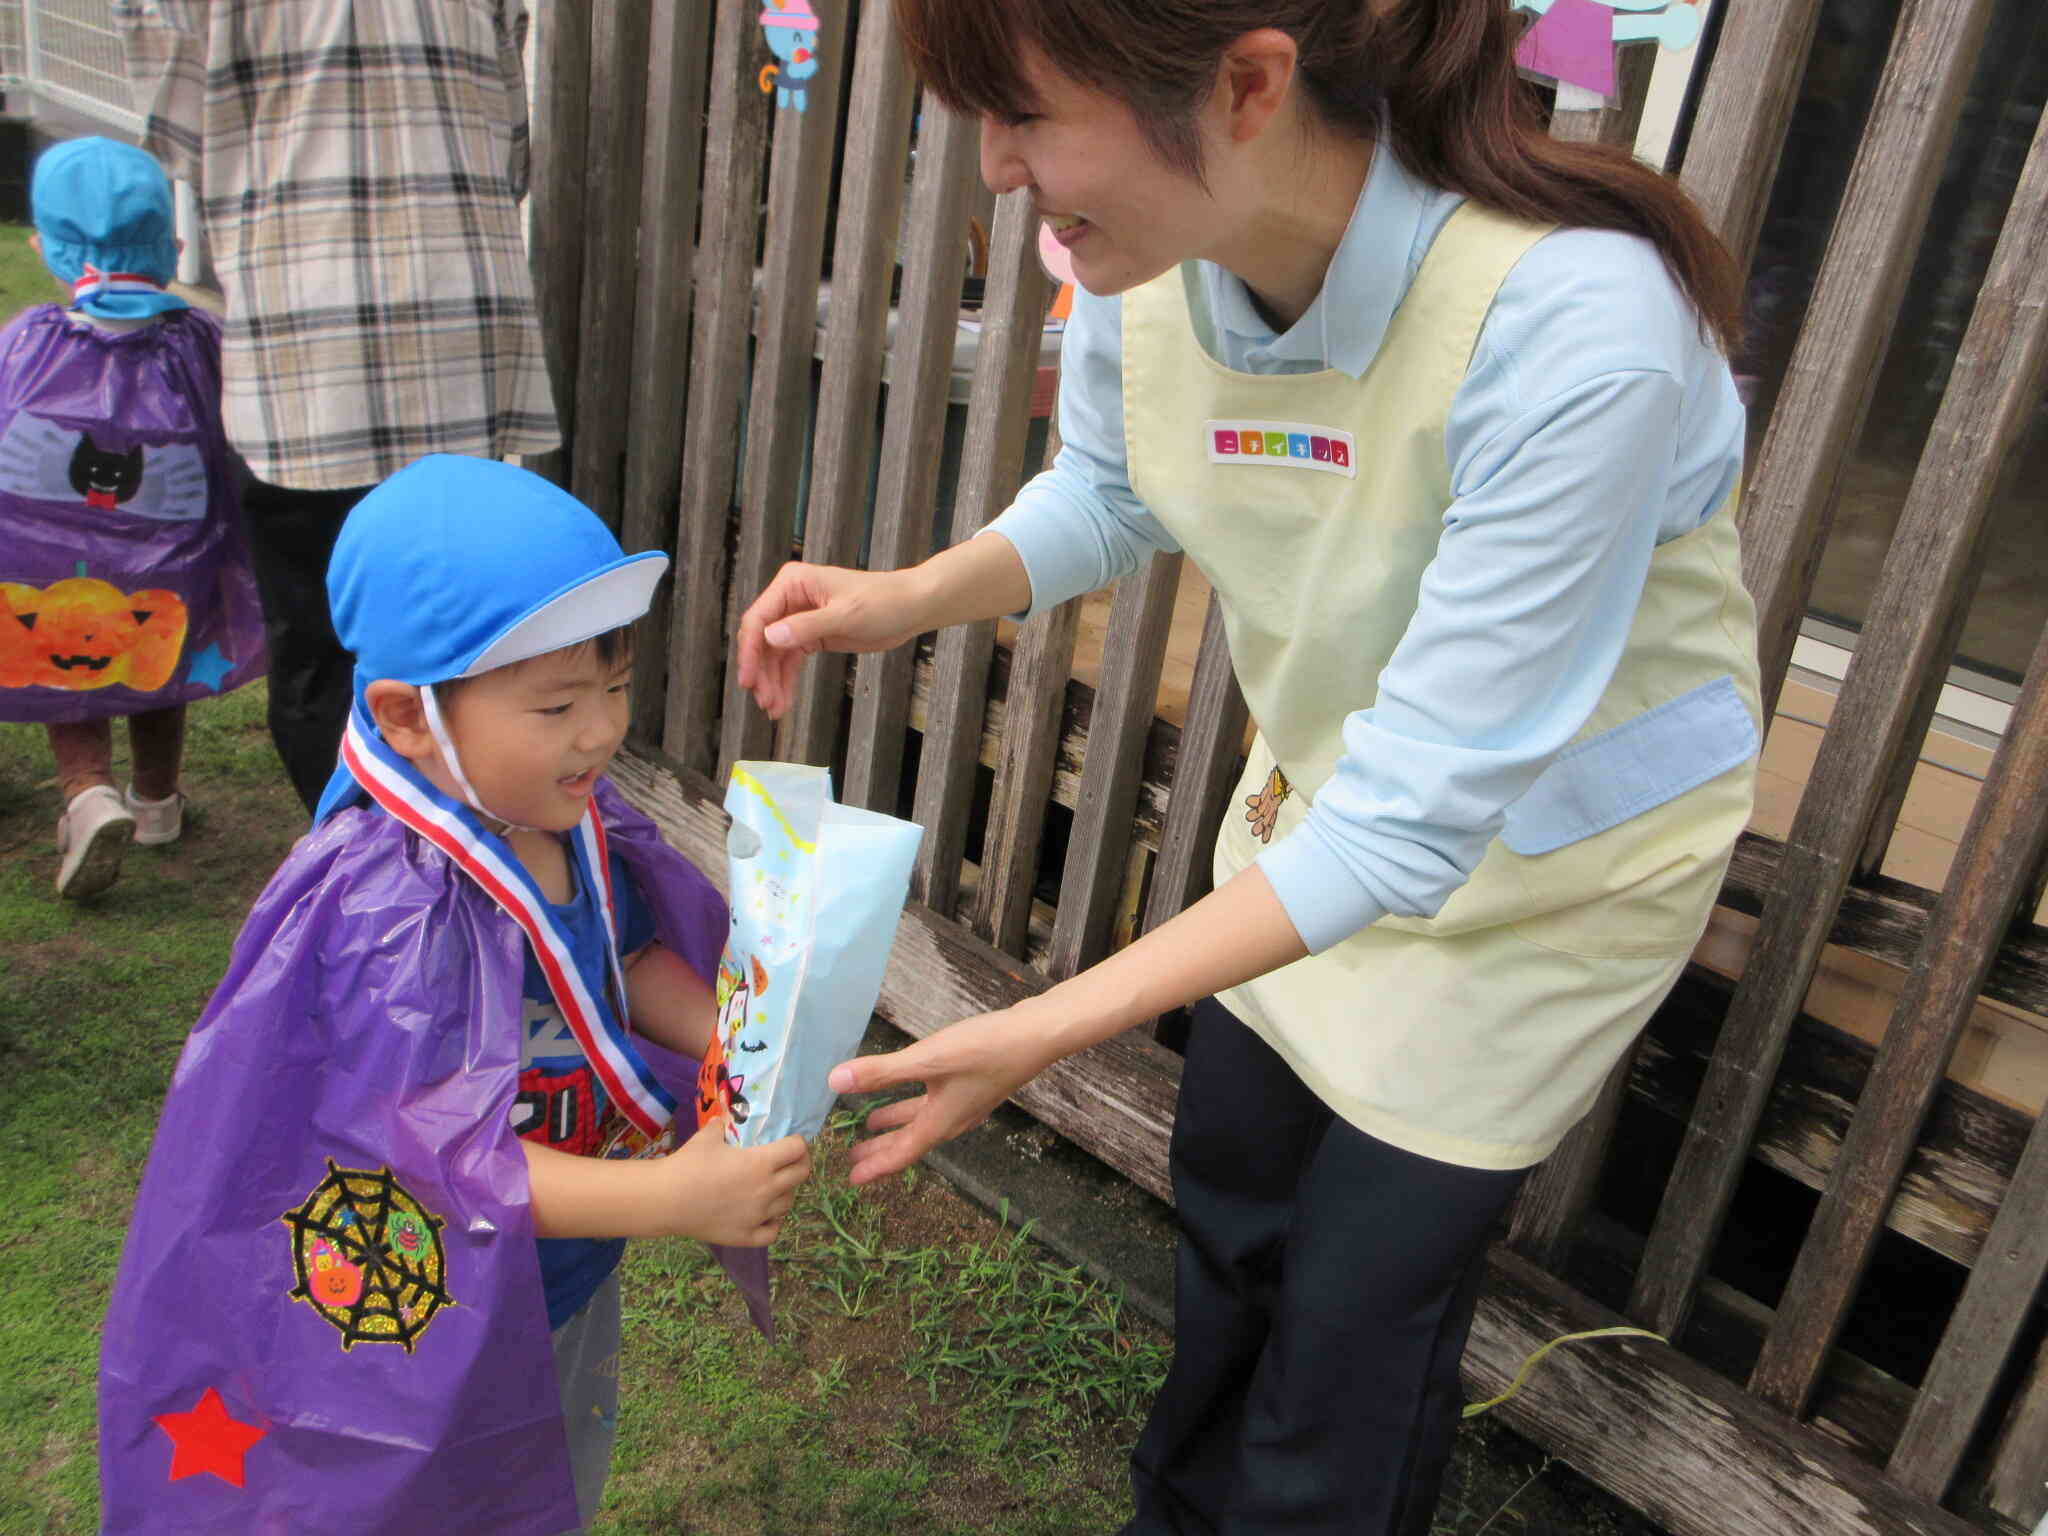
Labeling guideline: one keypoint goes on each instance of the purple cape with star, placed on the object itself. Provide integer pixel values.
(118, 495)
(354, 1073)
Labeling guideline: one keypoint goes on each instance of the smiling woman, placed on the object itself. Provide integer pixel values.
(1440, 407)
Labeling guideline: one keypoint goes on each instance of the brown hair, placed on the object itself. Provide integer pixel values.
(1458, 113)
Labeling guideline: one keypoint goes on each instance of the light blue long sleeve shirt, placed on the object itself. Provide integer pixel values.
(1596, 421)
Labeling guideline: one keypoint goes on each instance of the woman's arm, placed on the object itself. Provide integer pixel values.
(1238, 931)
(1071, 530)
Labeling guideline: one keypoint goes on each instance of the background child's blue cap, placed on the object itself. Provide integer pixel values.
(456, 566)
(106, 205)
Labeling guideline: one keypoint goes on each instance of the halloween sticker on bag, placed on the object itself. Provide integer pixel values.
(816, 889)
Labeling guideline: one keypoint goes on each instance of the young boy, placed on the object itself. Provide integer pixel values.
(125, 586)
(448, 1029)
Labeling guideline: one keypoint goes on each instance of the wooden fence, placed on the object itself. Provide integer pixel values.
(681, 229)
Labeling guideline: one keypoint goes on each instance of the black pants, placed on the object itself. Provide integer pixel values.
(1325, 1286)
(291, 537)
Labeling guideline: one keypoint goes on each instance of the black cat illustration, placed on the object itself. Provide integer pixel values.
(105, 479)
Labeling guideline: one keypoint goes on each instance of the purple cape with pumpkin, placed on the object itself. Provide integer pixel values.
(346, 1096)
(124, 581)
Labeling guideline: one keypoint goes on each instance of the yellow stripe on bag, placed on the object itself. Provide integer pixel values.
(747, 781)
(1473, 1410)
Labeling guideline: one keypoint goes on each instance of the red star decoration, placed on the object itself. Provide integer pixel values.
(208, 1439)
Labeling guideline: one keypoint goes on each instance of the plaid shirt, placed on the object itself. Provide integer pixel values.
(359, 164)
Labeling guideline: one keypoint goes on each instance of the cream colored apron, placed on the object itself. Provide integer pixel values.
(1313, 502)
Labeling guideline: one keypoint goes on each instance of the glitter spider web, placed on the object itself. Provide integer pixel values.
(368, 1257)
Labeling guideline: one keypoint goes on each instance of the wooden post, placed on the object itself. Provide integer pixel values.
(913, 434)
(1205, 768)
(1013, 317)
(677, 72)
(1041, 662)
(785, 342)
(1811, 434)
(722, 322)
(1981, 1332)
(1126, 700)
(619, 32)
(1744, 114)
(561, 128)
(1790, 502)
(843, 445)
(1991, 394)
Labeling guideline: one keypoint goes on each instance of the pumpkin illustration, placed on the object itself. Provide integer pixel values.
(82, 633)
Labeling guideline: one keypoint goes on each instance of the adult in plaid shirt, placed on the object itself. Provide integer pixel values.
(359, 164)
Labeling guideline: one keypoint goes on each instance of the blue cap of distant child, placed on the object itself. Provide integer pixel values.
(103, 210)
(456, 566)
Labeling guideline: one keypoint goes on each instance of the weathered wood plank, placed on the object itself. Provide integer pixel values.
(1957, 1175)
(722, 322)
(843, 443)
(1790, 502)
(561, 126)
(1744, 113)
(785, 339)
(1126, 702)
(1690, 1449)
(1982, 1331)
(913, 430)
(1115, 1099)
(1205, 768)
(2018, 1485)
(1027, 750)
(1885, 918)
(991, 459)
(677, 73)
(1820, 412)
(1991, 394)
(619, 35)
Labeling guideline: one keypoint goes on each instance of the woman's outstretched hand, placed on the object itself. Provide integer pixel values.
(809, 608)
(967, 1069)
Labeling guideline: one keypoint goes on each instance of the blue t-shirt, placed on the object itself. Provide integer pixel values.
(561, 1103)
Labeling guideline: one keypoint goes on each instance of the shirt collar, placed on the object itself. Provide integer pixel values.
(1392, 223)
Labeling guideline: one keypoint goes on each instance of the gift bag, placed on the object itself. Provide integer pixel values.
(816, 889)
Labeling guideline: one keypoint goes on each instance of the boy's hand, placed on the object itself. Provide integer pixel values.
(737, 1196)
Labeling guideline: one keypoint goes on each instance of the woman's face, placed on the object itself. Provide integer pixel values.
(1123, 214)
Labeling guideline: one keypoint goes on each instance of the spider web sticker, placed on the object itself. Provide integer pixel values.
(369, 1257)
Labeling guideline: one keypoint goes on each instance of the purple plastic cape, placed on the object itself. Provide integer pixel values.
(354, 1071)
(125, 582)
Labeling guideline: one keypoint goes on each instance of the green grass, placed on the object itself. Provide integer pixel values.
(24, 280)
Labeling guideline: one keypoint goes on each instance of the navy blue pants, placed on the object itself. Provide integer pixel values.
(1325, 1285)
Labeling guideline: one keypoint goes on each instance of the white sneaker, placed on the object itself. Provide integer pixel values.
(156, 821)
(92, 834)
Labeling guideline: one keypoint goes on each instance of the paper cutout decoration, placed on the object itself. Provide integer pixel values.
(792, 29)
(1572, 41)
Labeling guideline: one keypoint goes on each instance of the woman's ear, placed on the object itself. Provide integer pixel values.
(1254, 79)
(401, 717)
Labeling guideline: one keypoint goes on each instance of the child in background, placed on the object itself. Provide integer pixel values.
(125, 587)
(449, 1029)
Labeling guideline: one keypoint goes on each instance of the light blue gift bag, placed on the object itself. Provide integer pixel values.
(816, 889)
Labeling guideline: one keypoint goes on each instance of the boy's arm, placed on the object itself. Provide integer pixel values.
(706, 1189)
(669, 1002)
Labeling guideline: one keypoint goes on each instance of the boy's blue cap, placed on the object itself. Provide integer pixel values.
(456, 566)
(104, 211)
